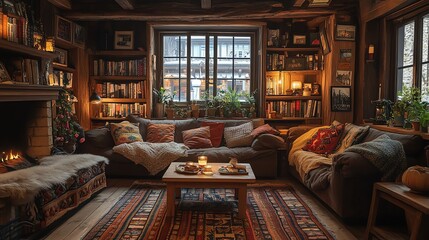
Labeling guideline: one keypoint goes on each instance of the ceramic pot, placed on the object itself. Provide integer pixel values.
(159, 110)
(170, 113)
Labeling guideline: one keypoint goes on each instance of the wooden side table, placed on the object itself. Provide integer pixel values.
(416, 207)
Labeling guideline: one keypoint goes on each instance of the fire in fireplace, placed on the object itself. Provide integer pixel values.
(11, 155)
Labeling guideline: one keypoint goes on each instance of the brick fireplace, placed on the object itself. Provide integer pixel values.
(27, 119)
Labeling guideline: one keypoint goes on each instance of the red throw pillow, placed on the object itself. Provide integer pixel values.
(197, 138)
(266, 128)
(216, 132)
(325, 140)
(160, 133)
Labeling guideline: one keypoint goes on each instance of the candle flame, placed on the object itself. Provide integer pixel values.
(9, 156)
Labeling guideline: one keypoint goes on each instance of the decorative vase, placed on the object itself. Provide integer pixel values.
(159, 110)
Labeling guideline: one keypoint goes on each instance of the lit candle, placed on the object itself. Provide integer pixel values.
(202, 161)
(371, 52)
(379, 92)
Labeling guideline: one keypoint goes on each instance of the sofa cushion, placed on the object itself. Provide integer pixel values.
(239, 136)
(197, 138)
(353, 134)
(125, 132)
(99, 137)
(268, 141)
(216, 132)
(325, 140)
(180, 126)
(160, 133)
(266, 128)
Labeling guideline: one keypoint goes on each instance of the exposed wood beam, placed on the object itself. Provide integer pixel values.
(298, 3)
(63, 4)
(192, 16)
(126, 4)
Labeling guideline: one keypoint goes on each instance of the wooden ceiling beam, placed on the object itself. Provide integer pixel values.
(126, 4)
(63, 4)
(144, 15)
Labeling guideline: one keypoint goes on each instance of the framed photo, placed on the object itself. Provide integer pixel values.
(344, 77)
(315, 89)
(299, 39)
(345, 32)
(61, 58)
(79, 35)
(341, 99)
(314, 39)
(4, 75)
(63, 29)
(324, 41)
(124, 40)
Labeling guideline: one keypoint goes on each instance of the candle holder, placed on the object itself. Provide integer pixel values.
(202, 161)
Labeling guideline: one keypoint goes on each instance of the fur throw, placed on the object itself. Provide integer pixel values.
(385, 154)
(24, 184)
(155, 157)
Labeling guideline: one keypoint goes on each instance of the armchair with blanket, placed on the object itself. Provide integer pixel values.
(343, 178)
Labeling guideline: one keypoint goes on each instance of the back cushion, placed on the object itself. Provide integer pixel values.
(216, 132)
(160, 133)
(197, 138)
(99, 138)
(239, 136)
(325, 140)
(125, 132)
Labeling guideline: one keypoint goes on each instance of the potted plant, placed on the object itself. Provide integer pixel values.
(251, 101)
(415, 107)
(424, 121)
(209, 104)
(164, 97)
(232, 104)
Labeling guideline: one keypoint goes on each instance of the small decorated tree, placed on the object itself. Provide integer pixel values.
(66, 130)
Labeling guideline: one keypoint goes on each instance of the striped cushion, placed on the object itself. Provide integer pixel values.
(239, 136)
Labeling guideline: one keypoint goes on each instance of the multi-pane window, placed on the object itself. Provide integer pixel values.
(193, 64)
(412, 63)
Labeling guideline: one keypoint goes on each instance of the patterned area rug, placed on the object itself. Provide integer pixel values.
(273, 213)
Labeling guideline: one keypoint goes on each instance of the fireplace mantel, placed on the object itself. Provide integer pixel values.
(25, 92)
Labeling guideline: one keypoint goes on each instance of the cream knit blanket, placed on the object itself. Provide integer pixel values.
(155, 157)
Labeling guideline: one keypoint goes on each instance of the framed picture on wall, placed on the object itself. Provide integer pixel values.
(63, 29)
(299, 39)
(345, 32)
(124, 40)
(79, 35)
(344, 77)
(341, 99)
(324, 41)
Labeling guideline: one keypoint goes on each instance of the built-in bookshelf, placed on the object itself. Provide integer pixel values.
(119, 78)
(293, 72)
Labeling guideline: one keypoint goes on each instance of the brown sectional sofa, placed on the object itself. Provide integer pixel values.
(348, 184)
(263, 160)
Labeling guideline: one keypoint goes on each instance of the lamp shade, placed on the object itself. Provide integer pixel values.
(94, 98)
(296, 85)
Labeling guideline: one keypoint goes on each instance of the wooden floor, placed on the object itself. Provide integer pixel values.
(83, 220)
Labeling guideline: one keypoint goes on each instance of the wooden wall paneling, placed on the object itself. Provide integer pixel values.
(332, 64)
(151, 58)
(370, 10)
(263, 83)
(82, 88)
(360, 75)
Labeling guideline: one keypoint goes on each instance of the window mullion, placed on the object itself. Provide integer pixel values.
(418, 35)
(215, 64)
(233, 67)
(188, 68)
(207, 65)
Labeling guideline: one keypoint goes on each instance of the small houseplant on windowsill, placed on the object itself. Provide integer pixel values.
(164, 97)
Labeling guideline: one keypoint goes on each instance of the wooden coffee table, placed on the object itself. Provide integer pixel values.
(175, 181)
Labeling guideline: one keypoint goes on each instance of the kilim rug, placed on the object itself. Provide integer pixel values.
(273, 213)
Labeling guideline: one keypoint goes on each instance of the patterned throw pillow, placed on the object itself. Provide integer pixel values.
(125, 132)
(216, 132)
(197, 138)
(325, 140)
(160, 133)
(239, 136)
(266, 128)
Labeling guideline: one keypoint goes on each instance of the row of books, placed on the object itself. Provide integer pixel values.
(119, 68)
(22, 70)
(15, 24)
(122, 109)
(120, 90)
(296, 108)
(280, 62)
(61, 78)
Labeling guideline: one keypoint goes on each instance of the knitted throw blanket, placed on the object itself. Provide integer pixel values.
(385, 154)
(155, 157)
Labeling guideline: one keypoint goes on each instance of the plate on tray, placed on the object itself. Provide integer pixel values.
(225, 171)
(181, 169)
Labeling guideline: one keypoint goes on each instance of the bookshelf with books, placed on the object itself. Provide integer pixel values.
(293, 76)
(119, 78)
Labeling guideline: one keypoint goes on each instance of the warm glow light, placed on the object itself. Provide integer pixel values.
(202, 161)
(296, 85)
(9, 156)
